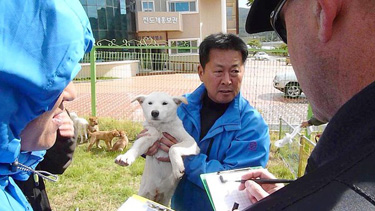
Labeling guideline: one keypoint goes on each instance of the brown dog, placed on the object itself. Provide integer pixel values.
(93, 124)
(93, 127)
(106, 136)
(121, 143)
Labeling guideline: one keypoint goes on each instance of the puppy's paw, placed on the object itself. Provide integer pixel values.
(178, 173)
(125, 160)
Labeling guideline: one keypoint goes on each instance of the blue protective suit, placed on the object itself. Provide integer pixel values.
(240, 138)
(41, 43)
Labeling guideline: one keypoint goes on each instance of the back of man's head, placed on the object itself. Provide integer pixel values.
(330, 44)
(223, 42)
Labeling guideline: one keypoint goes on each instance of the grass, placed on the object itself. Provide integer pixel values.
(94, 182)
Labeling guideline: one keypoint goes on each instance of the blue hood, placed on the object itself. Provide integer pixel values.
(41, 43)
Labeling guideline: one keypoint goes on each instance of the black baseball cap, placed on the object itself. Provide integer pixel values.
(258, 19)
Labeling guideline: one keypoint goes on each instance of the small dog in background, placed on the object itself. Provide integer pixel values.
(80, 126)
(93, 124)
(121, 143)
(93, 127)
(160, 179)
(106, 136)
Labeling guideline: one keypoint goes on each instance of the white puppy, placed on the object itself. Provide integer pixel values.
(80, 125)
(160, 179)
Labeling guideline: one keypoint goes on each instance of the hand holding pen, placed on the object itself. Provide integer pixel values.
(256, 190)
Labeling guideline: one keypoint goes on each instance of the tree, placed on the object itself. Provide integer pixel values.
(254, 43)
(284, 48)
(249, 2)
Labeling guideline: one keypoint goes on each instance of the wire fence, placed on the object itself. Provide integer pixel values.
(120, 73)
(112, 76)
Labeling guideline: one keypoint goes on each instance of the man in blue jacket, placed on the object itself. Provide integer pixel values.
(41, 43)
(229, 131)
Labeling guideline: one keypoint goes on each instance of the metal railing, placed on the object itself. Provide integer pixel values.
(295, 154)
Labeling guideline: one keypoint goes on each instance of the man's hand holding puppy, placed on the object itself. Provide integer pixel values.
(164, 144)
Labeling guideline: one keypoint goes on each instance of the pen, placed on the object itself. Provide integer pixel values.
(267, 181)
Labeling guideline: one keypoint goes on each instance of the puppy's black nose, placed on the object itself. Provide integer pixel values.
(154, 113)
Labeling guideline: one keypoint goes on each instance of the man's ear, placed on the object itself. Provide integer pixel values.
(200, 71)
(326, 12)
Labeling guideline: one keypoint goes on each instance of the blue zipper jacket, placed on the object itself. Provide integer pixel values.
(41, 43)
(240, 138)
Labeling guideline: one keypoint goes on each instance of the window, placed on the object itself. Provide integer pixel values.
(109, 2)
(182, 6)
(101, 3)
(92, 12)
(184, 43)
(147, 6)
(229, 13)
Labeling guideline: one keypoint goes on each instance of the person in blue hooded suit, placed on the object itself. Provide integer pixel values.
(41, 43)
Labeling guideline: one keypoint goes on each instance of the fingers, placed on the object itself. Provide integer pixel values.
(164, 144)
(254, 191)
(153, 149)
(169, 140)
(66, 129)
(142, 133)
(163, 159)
(258, 173)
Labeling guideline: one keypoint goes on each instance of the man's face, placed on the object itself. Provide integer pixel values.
(40, 133)
(222, 75)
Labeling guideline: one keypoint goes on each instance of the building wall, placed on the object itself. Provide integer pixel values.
(206, 20)
(210, 17)
(191, 27)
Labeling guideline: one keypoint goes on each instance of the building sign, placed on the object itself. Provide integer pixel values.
(160, 20)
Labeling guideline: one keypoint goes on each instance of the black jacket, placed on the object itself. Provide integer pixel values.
(340, 174)
(56, 160)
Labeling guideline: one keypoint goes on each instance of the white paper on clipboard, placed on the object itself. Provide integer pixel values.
(224, 195)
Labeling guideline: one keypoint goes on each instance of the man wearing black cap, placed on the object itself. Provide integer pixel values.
(331, 46)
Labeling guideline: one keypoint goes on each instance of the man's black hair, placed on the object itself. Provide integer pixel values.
(223, 42)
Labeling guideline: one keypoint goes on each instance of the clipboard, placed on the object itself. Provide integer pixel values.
(223, 196)
(139, 203)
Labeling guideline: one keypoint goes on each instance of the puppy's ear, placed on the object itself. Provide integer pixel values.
(179, 100)
(139, 98)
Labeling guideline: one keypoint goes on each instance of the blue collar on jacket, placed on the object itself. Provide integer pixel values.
(230, 120)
